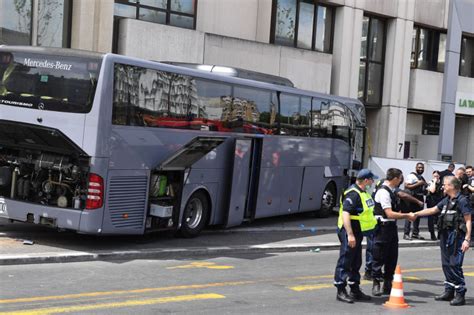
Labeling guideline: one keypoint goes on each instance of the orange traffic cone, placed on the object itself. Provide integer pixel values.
(396, 299)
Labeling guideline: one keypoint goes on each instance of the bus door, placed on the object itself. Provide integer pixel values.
(244, 184)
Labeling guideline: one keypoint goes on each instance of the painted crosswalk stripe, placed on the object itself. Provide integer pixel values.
(128, 303)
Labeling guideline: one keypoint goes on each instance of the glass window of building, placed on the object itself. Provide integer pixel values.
(428, 49)
(181, 13)
(466, 67)
(372, 57)
(303, 23)
(48, 20)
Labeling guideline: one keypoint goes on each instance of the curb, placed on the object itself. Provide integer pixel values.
(177, 253)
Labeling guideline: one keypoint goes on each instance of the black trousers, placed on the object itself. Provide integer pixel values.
(385, 251)
(349, 262)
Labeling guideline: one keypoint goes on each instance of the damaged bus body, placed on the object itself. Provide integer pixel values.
(108, 144)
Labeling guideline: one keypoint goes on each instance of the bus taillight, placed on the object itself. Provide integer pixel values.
(95, 192)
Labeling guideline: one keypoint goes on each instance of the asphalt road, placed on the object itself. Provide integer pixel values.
(280, 283)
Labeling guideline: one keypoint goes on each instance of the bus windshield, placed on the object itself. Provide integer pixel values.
(48, 82)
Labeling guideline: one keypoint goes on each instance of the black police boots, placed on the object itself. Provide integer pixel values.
(358, 295)
(458, 300)
(376, 290)
(387, 287)
(343, 296)
(447, 295)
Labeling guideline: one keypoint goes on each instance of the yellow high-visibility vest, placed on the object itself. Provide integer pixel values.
(366, 218)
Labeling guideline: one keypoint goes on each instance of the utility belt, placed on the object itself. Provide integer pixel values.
(383, 221)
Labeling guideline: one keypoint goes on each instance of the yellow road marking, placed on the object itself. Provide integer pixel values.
(469, 274)
(184, 287)
(202, 264)
(311, 287)
(411, 278)
(129, 303)
(431, 269)
(122, 292)
(317, 286)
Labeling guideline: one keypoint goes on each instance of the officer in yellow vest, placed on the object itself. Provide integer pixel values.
(356, 218)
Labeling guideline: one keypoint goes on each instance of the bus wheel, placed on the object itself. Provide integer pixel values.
(328, 201)
(195, 215)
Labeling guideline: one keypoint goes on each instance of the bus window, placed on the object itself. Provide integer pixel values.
(340, 121)
(215, 100)
(256, 108)
(147, 97)
(294, 115)
(48, 82)
(318, 119)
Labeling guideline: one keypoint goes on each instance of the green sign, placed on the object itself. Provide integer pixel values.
(464, 103)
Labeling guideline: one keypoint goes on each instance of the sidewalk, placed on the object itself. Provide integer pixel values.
(266, 236)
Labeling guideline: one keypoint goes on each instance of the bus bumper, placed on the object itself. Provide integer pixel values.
(61, 218)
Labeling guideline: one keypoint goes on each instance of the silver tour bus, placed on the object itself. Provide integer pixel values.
(108, 144)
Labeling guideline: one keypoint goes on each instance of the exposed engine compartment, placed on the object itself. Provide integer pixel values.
(43, 177)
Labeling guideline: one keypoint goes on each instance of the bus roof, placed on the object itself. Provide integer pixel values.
(235, 72)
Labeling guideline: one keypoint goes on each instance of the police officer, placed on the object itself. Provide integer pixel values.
(454, 225)
(385, 248)
(416, 184)
(403, 199)
(356, 218)
(433, 197)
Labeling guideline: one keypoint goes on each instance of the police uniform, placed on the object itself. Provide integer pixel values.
(452, 230)
(360, 205)
(385, 247)
(418, 193)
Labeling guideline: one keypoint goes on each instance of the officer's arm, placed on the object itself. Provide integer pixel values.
(411, 186)
(468, 219)
(414, 185)
(426, 212)
(346, 220)
(396, 215)
(467, 240)
(409, 198)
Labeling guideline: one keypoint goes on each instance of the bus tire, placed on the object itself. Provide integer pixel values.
(328, 201)
(195, 216)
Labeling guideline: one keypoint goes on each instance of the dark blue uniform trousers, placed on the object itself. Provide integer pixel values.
(451, 259)
(385, 251)
(349, 262)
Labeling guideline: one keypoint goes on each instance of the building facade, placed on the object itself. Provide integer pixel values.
(389, 54)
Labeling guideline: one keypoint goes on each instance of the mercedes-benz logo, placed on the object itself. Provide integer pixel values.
(41, 106)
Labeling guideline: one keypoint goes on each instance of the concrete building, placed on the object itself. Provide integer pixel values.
(389, 54)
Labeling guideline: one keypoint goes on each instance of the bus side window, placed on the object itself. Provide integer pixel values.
(215, 102)
(294, 115)
(256, 108)
(340, 121)
(317, 126)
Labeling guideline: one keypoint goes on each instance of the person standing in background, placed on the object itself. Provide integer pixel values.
(416, 185)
